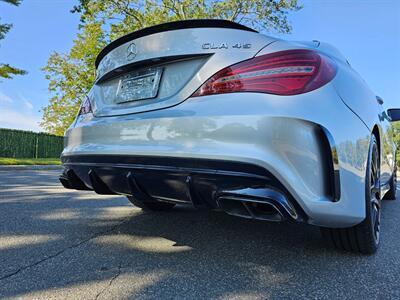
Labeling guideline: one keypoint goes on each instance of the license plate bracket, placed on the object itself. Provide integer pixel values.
(139, 85)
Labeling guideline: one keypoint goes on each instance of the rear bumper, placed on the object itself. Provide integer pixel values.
(202, 183)
(290, 142)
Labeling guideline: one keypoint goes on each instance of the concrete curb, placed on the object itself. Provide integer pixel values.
(29, 167)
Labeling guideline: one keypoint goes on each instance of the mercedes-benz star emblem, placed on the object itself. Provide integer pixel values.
(131, 51)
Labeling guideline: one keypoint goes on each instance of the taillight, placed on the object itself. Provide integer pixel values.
(289, 72)
(86, 107)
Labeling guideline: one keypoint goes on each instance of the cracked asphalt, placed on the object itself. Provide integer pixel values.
(58, 244)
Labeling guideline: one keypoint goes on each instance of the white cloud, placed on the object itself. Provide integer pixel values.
(10, 118)
(18, 113)
(28, 104)
(4, 98)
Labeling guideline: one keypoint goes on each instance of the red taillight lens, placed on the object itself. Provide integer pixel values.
(86, 107)
(287, 72)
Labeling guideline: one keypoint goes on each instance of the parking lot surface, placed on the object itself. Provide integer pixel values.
(57, 243)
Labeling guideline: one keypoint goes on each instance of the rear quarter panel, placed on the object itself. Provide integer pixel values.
(355, 93)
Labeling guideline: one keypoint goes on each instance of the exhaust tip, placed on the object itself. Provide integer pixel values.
(260, 204)
(249, 209)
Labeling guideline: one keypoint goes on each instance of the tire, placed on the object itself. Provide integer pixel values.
(364, 237)
(152, 206)
(391, 194)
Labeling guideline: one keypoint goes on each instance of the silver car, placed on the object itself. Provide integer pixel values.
(213, 114)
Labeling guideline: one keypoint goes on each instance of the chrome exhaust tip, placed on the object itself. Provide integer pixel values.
(257, 203)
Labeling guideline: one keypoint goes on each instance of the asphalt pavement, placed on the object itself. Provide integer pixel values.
(58, 244)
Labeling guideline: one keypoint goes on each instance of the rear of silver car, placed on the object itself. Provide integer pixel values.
(151, 128)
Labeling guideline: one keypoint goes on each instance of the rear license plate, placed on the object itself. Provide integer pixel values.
(139, 85)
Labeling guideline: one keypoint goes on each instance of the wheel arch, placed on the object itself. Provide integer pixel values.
(377, 131)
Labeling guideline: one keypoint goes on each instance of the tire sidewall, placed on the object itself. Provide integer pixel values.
(368, 220)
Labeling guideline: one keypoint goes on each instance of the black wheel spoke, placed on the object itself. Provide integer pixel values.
(375, 190)
(365, 236)
(373, 171)
(375, 194)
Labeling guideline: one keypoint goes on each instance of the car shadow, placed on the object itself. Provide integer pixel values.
(96, 241)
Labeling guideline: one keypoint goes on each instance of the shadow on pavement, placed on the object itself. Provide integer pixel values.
(56, 243)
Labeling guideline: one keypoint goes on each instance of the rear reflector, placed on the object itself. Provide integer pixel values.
(289, 72)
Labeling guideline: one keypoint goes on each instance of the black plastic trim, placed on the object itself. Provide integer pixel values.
(71, 181)
(98, 185)
(185, 24)
(218, 167)
(172, 179)
(147, 63)
(333, 165)
(137, 191)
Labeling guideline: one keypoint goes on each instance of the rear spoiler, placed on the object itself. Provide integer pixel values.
(185, 24)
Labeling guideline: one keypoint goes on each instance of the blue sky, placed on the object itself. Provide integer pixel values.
(367, 32)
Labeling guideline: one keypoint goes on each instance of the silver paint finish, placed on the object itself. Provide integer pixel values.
(275, 132)
(175, 76)
(180, 79)
(131, 51)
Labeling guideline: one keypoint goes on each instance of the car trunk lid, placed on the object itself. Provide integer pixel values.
(163, 65)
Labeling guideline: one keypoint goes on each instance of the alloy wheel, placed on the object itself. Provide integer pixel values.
(375, 200)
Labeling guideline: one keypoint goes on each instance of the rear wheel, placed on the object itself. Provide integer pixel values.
(154, 206)
(364, 237)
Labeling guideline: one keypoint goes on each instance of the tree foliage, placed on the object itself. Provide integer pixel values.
(396, 137)
(70, 78)
(7, 71)
(71, 75)
(14, 2)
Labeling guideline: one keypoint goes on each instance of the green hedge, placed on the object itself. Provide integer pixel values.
(27, 144)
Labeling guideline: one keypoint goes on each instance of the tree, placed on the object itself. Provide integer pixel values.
(396, 135)
(6, 71)
(71, 75)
